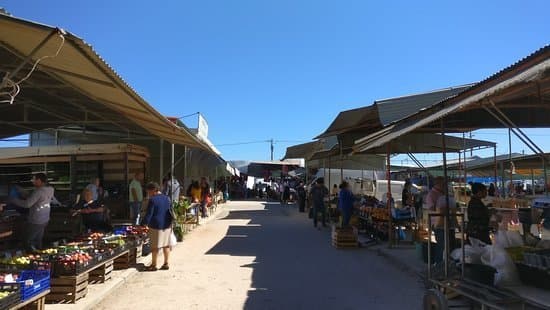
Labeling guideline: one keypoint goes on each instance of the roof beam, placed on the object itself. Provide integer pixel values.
(54, 76)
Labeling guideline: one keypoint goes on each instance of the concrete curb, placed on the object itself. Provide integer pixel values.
(98, 292)
(399, 263)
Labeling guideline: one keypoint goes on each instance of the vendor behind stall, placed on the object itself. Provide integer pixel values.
(478, 214)
(38, 203)
(93, 213)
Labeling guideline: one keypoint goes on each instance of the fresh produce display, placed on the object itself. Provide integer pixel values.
(4, 294)
(20, 260)
(8, 277)
(74, 258)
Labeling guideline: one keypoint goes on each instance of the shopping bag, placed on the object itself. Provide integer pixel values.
(173, 240)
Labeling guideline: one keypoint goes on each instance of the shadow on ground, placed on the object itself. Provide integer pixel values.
(295, 266)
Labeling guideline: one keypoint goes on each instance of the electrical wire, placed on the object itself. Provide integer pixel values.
(15, 88)
(259, 141)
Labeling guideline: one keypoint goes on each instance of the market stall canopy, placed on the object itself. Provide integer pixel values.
(521, 164)
(41, 154)
(421, 143)
(519, 96)
(383, 112)
(305, 150)
(351, 162)
(72, 86)
(266, 168)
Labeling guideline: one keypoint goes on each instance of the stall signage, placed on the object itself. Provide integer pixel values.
(202, 130)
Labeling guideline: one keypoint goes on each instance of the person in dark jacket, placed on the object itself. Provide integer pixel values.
(345, 203)
(159, 220)
(318, 195)
(478, 214)
(301, 197)
(93, 213)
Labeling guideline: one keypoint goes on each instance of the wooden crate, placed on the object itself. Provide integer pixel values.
(102, 273)
(344, 238)
(68, 289)
(126, 260)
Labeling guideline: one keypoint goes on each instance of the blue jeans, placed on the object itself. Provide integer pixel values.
(135, 210)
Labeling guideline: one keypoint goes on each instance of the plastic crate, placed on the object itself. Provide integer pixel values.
(539, 259)
(33, 282)
(533, 276)
(13, 298)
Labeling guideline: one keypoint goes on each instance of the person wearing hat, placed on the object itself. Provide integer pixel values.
(478, 214)
(318, 194)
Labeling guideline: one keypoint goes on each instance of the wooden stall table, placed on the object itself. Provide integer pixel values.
(37, 302)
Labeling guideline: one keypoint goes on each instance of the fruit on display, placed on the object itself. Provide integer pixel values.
(8, 277)
(4, 294)
(72, 259)
(20, 260)
(49, 251)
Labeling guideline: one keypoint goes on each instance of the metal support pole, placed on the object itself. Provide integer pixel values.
(185, 176)
(329, 183)
(341, 162)
(161, 171)
(446, 220)
(545, 175)
(464, 168)
(127, 183)
(459, 165)
(511, 164)
(495, 161)
(533, 182)
(503, 186)
(171, 170)
(388, 196)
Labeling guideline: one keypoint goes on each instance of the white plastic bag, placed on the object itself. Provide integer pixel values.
(173, 240)
(472, 253)
(498, 258)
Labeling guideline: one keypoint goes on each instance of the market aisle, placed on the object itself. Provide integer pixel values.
(266, 256)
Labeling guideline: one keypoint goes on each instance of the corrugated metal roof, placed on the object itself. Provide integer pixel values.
(80, 69)
(382, 112)
(394, 109)
(532, 69)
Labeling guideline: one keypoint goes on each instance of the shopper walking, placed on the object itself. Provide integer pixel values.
(38, 203)
(159, 220)
(135, 198)
(301, 197)
(345, 203)
(205, 195)
(318, 194)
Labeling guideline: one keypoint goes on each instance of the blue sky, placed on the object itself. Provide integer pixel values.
(284, 69)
